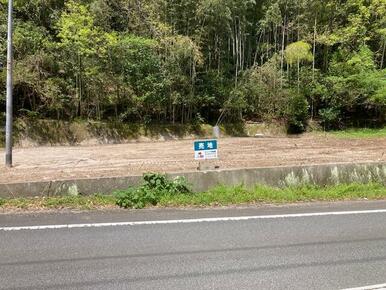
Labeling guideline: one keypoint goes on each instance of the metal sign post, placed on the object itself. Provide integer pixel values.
(9, 112)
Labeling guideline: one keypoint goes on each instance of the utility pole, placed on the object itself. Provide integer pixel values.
(9, 110)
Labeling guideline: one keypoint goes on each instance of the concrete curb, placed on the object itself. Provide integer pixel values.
(327, 174)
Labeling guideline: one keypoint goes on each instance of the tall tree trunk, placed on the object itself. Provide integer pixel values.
(298, 75)
(383, 54)
(236, 45)
(314, 52)
(282, 53)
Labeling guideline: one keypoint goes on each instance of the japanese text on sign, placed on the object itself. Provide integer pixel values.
(204, 150)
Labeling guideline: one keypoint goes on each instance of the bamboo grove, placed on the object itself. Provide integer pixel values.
(183, 61)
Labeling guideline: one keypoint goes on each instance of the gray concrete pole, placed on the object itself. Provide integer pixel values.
(9, 112)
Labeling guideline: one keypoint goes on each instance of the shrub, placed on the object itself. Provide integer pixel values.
(297, 114)
(329, 118)
(154, 187)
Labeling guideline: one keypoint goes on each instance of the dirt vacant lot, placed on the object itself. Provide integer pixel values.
(59, 163)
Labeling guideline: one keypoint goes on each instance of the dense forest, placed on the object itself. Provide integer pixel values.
(182, 61)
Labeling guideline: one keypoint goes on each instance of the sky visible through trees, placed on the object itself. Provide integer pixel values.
(184, 61)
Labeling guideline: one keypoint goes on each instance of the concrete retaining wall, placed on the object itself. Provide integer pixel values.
(274, 176)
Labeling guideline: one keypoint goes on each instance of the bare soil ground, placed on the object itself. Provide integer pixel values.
(60, 163)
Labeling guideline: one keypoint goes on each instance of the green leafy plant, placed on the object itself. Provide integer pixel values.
(297, 114)
(154, 187)
(329, 117)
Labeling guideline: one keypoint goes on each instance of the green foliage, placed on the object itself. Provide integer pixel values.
(225, 196)
(329, 118)
(264, 91)
(60, 202)
(159, 61)
(136, 60)
(154, 188)
(298, 52)
(219, 196)
(354, 82)
(346, 63)
(3, 36)
(297, 114)
(78, 32)
(29, 39)
(359, 133)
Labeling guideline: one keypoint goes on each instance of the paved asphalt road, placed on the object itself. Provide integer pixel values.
(304, 252)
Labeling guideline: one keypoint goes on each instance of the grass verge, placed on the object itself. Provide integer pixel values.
(219, 196)
(223, 196)
(359, 133)
(60, 202)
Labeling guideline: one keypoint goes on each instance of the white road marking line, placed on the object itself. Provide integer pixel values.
(371, 287)
(192, 221)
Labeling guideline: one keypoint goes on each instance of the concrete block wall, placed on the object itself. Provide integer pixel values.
(327, 174)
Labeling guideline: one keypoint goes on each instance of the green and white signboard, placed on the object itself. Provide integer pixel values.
(205, 150)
